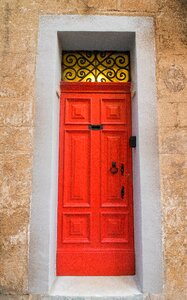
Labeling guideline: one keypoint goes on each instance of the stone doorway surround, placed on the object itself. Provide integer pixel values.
(76, 32)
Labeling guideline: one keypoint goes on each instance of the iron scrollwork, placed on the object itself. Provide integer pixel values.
(95, 66)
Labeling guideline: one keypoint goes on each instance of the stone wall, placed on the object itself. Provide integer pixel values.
(19, 28)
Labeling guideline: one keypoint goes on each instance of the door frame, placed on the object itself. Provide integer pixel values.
(117, 32)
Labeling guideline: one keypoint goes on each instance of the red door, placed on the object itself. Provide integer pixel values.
(95, 212)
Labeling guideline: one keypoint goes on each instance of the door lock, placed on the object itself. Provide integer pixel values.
(122, 169)
(122, 192)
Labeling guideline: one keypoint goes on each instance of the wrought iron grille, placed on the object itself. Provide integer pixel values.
(95, 66)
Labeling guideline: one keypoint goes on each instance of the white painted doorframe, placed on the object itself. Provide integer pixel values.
(76, 32)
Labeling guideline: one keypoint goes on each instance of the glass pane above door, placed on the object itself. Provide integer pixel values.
(95, 66)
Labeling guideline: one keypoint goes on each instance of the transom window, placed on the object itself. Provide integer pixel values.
(95, 66)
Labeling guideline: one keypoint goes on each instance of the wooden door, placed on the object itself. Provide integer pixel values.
(95, 212)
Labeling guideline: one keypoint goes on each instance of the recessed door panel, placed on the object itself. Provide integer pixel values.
(76, 228)
(77, 111)
(114, 228)
(114, 151)
(113, 111)
(77, 168)
(95, 216)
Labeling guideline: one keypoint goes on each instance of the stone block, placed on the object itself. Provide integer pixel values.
(173, 141)
(175, 265)
(19, 41)
(105, 5)
(15, 182)
(173, 189)
(18, 4)
(22, 17)
(182, 114)
(139, 5)
(172, 81)
(171, 28)
(61, 6)
(15, 87)
(15, 195)
(13, 271)
(167, 114)
(7, 93)
(17, 65)
(13, 229)
(27, 41)
(174, 224)
(173, 170)
(16, 114)
(76, 6)
(1, 17)
(17, 140)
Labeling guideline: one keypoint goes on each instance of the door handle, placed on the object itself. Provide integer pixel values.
(113, 169)
(122, 169)
(122, 192)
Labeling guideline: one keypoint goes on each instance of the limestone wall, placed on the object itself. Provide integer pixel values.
(18, 45)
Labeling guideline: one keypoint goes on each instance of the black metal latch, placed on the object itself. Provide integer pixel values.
(95, 127)
(122, 192)
(122, 169)
(132, 142)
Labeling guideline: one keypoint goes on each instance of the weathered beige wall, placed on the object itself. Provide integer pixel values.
(18, 30)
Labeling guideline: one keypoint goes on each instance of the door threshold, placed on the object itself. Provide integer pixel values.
(95, 287)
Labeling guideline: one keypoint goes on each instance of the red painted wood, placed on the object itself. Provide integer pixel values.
(89, 87)
(95, 225)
